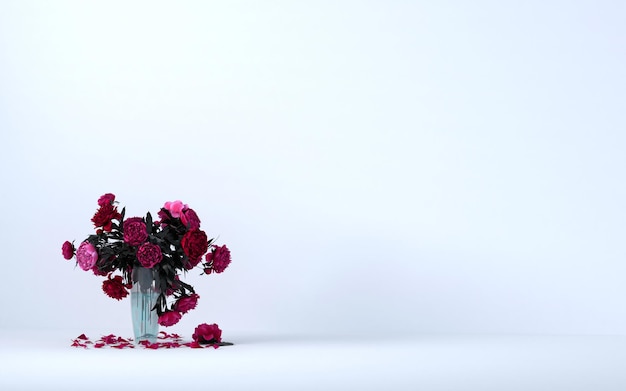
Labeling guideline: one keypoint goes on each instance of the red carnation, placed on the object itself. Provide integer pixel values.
(220, 256)
(207, 333)
(195, 243)
(104, 216)
(186, 303)
(115, 287)
(169, 318)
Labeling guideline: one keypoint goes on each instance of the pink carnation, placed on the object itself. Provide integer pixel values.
(67, 250)
(86, 255)
(149, 254)
(135, 232)
(207, 333)
(169, 318)
(186, 303)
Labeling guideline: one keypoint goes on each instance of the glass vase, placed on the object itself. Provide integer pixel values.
(143, 297)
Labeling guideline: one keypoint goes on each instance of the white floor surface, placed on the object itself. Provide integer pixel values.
(419, 362)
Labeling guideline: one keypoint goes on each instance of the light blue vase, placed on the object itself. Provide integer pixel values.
(143, 296)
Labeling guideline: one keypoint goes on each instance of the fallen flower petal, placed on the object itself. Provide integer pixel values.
(166, 341)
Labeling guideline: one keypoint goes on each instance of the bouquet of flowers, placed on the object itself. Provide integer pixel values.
(171, 245)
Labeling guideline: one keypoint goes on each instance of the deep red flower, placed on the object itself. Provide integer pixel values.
(164, 218)
(220, 256)
(96, 270)
(194, 243)
(207, 333)
(115, 288)
(105, 199)
(149, 254)
(104, 216)
(68, 250)
(191, 263)
(186, 303)
(190, 219)
(135, 231)
(169, 318)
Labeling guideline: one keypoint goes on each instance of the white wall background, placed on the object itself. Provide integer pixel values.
(374, 166)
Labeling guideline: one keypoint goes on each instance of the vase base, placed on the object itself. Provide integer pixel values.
(146, 337)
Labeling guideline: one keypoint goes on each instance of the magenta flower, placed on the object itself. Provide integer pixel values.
(68, 250)
(175, 208)
(163, 217)
(115, 288)
(104, 217)
(106, 199)
(220, 256)
(190, 219)
(149, 254)
(169, 318)
(186, 303)
(135, 232)
(86, 255)
(207, 333)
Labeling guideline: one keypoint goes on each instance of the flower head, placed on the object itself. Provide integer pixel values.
(149, 254)
(190, 219)
(106, 199)
(207, 333)
(195, 244)
(186, 303)
(135, 232)
(96, 271)
(115, 288)
(86, 255)
(68, 250)
(169, 318)
(175, 207)
(104, 216)
(220, 258)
